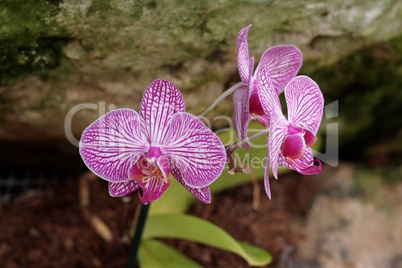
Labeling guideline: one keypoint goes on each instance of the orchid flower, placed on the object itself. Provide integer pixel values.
(281, 62)
(290, 140)
(138, 151)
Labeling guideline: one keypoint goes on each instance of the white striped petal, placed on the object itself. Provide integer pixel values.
(305, 165)
(268, 96)
(195, 150)
(277, 132)
(203, 194)
(112, 143)
(266, 174)
(282, 62)
(243, 56)
(160, 101)
(305, 103)
(119, 189)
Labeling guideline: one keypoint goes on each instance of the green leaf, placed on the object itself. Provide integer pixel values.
(176, 199)
(195, 229)
(155, 254)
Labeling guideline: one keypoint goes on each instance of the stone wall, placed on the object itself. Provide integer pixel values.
(57, 54)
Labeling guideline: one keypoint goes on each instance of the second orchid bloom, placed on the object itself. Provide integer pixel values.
(280, 63)
(290, 140)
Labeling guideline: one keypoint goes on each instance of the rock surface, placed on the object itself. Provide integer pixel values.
(354, 221)
(55, 55)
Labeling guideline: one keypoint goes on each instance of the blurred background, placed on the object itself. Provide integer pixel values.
(56, 55)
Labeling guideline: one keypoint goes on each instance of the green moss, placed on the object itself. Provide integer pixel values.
(368, 86)
(29, 42)
(22, 22)
(16, 62)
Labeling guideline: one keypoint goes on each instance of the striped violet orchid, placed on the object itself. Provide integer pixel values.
(281, 63)
(138, 151)
(290, 140)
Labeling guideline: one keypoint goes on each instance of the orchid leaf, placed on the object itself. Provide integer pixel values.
(176, 199)
(155, 254)
(198, 230)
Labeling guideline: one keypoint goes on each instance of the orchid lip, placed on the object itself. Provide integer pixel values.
(293, 146)
(153, 180)
(315, 168)
(296, 141)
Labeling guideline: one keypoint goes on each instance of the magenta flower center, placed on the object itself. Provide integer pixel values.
(143, 171)
(255, 107)
(149, 175)
(296, 141)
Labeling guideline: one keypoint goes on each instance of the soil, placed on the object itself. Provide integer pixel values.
(53, 227)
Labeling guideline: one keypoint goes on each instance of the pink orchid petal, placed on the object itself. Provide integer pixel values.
(256, 110)
(278, 124)
(203, 193)
(152, 188)
(119, 189)
(250, 69)
(195, 150)
(161, 100)
(277, 133)
(314, 169)
(282, 63)
(262, 119)
(268, 96)
(305, 165)
(112, 143)
(241, 113)
(243, 56)
(305, 103)
(266, 174)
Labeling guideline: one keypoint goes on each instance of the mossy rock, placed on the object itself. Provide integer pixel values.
(57, 54)
(367, 85)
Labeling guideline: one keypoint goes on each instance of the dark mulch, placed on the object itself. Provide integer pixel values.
(50, 229)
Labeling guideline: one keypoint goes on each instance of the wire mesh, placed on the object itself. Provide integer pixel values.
(13, 184)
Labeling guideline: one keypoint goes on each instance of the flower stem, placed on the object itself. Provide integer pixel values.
(220, 98)
(238, 144)
(135, 244)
